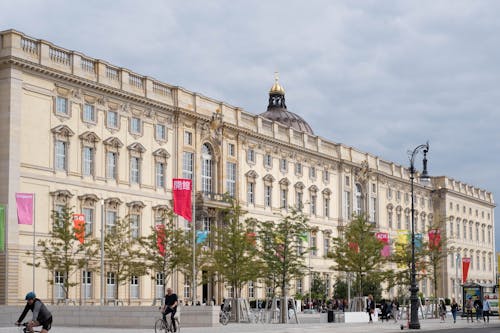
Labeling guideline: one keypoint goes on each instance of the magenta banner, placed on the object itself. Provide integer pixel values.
(24, 203)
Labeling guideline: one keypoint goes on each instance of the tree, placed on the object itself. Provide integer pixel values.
(166, 248)
(357, 251)
(235, 256)
(62, 251)
(282, 250)
(122, 253)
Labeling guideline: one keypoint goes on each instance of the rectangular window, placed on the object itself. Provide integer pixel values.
(160, 175)
(326, 207)
(89, 113)
(111, 167)
(110, 285)
(188, 138)
(187, 165)
(313, 205)
(134, 170)
(89, 220)
(134, 226)
(268, 192)
(135, 125)
(160, 286)
(326, 176)
(458, 230)
(60, 155)
(326, 246)
(347, 181)
(251, 193)
(231, 179)
(312, 172)
(112, 119)
(268, 160)
(389, 215)
(187, 288)
(298, 286)
(298, 200)
(161, 133)
(134, 286)
(283, 165)
(88, 161)
(59, 285)
(346, 211)
(110, 220)
(313, 245)
(373, 209)
(284, 198)
(298, 168)
(250, 155)
(230, 149)
(86, 284)
(374, 188)
(251, 289)
(62, 106)
(398, 221)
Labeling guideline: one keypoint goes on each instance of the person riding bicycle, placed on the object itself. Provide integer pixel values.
(170, 307)
(41, 315)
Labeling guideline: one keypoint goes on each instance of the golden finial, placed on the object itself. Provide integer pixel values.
(277, 88)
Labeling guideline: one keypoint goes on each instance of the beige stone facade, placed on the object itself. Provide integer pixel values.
(107, 141)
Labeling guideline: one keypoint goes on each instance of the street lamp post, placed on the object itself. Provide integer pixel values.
(424, 177)
(457, 282)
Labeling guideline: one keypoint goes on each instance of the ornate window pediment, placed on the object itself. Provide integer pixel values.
(284, 182)
(135, 207)
(313, 188)
(112, 203)
(390, 207)
(113, 142)
(89, 137)
(62, 131)
(268, 179)
(161, 153)
(88, 200)
(326, 192)
(61, 197)
(251, 174)
(299, 186)
(137, 147)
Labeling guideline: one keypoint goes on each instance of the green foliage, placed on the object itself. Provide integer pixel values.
(62, 252)
(340, 289)
(281, 249)
(318, 288)
(122, 253)
(166, 248)
(357, 251)
(235, 256)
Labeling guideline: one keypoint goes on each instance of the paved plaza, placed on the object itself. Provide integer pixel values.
(426, 325)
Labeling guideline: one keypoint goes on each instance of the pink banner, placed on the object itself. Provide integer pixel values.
(384, 238)
(182, 197)
(24, 203)
(161, 236)
(434, 239)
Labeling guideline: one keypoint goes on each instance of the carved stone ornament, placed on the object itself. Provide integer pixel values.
(135, 207)
(61, 196)
(88, 200)
(112, 203)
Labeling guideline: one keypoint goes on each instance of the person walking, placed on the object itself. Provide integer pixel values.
(442, 310)
(454, 309)
(370, 307)
(395, 310)
(468, 309)
(486, 309)
(478, 305)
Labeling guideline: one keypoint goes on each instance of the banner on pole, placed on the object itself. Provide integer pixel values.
(434, 239)
(161, 235)
(2, 228)
(201, 236)
(465, 269)
(24, 202)
(181, 189)
(384, 238)
(79, 226)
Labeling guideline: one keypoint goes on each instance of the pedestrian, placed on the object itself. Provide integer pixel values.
(383, 310)
(442, 310)
(454, 309)
(468, 309)
(395, 310)
(478, 305)
(370, 307)
(486, 309)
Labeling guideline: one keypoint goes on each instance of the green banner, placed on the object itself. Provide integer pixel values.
(2, 228)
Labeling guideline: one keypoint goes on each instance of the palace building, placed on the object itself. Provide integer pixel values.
(84, 133)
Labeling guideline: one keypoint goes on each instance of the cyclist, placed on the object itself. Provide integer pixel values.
(170, 307)
(41, 315)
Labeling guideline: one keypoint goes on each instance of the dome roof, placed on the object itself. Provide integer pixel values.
(277, 111)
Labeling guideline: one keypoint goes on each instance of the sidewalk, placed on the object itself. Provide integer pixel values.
(426, 325)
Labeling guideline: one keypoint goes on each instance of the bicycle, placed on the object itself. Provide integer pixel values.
(166, 326)
(24, 328)
(224, 316)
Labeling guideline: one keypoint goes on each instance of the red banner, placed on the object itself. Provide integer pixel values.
(181, 189)
(465, 269)
(384, 238)
(160, 239)
(354, 246)
(24, 203)
(79, 226)
(434, 239)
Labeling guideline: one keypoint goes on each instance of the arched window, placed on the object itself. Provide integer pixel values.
(359, 200)
(206, 168)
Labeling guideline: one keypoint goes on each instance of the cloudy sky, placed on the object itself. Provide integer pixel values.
(381, 76)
